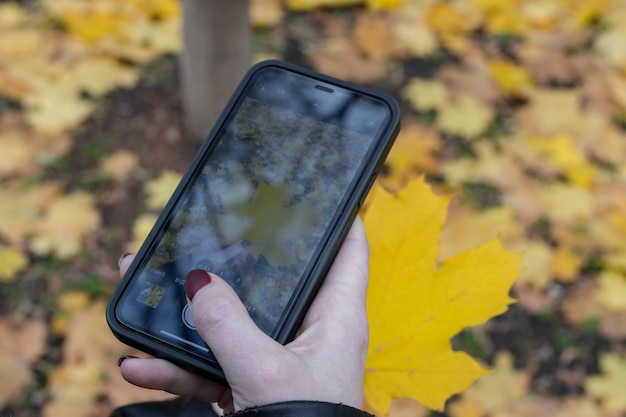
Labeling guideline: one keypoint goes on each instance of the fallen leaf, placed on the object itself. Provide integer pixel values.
(141, 227)
(612, 45)
(65, 224)
(564, 203)
(466, 117)
(100, 75)
(513, 79)
(15, 155)
(21, 343)
(452, 23)
(160, 189)
(612, 290)
(412, 31)
(424, 94)
(373, 36)
(550, 112)
(580, 306)
(303, 5)
(22, 208)
(610, 385)
(537, 261)
(497, 393)
(413, 153)
(467, 228)
(412, 357)
(120, 165)
(265, 14)
(44, 113)
(12, 261)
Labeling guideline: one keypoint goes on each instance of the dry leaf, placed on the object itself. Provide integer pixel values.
(141, 227)
(494, 394)
(551, 112)
(160, 189)
(609, 387)
(465, 117)
(12, 261)
(65, 224)
(425, 94)
(120, 165)
(21, 343)
(100, 75)
(412, 154)
(612, 290)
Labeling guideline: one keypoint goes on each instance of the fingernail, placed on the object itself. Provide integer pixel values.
(195, 280)
(119, 261)
(123, 358)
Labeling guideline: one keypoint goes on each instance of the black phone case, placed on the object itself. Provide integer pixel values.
(296, 310)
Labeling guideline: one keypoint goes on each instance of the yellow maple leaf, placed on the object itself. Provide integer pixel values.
(303, 5)
(612, 290)
(67, 221)
(141, 228)
(511, 78)
(452, 22)
(15, 154)
(46, 115)
(537, 260)
(413, 153)
(416, 304)
(612, 46)
(561, 152)
(11, 262)
(101, 75)
(160, 189)
(565, 203)
(501, 17)
(120, 165)
(551, 112)
(566, 262)
(425, 94)
(466, 228)
(609, 387)
(22, 207)
(383, 4)
(466, 117)
(21, 344)
(11, 15)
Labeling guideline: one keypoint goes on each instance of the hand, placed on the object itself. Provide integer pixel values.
(325, 362)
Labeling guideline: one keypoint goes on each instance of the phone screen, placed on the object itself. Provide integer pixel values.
(259, 205)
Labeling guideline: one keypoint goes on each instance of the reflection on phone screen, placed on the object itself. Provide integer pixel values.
(255, 214)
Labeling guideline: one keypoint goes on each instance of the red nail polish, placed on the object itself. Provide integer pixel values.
(195, 280)
(123, 358)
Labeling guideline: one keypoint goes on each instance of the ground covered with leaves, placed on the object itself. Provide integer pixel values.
(516, 108)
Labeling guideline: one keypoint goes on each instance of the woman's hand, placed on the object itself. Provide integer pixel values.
(324, 363)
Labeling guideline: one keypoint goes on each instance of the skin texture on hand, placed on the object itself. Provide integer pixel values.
(324, 363)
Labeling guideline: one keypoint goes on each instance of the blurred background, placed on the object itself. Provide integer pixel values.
(518, 107)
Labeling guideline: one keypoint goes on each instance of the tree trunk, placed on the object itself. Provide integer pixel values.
(217, 50)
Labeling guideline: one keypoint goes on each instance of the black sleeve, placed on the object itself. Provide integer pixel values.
(301, 409)
(191, 407)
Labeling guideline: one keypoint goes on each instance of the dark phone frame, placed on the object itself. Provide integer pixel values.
(295, 311)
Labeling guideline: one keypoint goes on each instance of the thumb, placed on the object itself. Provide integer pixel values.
(223, 322)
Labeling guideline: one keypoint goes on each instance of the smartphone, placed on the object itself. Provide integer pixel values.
(266, 204)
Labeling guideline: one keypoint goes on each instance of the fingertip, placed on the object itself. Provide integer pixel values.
(124, 262)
